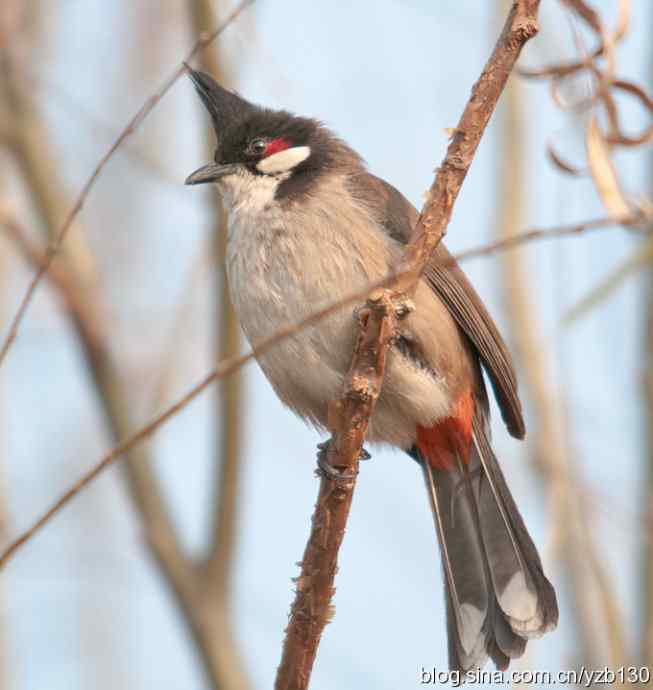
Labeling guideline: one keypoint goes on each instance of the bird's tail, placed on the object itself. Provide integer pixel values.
(497, 595)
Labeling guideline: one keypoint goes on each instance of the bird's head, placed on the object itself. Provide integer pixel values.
(268, 148)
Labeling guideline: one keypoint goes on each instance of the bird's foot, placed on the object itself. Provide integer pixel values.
(325, 469)
(403, 306)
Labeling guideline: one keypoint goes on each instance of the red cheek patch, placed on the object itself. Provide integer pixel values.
(277, 145)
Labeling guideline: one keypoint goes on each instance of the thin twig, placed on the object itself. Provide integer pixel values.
(312, 609)
(217, 569)
(174, 349)
(638, 224)
(131, 127)
(76, 304)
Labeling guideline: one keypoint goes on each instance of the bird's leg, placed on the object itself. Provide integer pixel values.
(325, 469)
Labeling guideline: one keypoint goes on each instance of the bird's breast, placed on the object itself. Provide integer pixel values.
(284, 263)
(281, 268)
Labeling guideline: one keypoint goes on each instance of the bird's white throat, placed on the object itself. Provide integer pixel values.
(246, 195)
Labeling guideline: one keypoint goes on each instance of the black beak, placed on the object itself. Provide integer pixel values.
(226, 109)
(211, 173)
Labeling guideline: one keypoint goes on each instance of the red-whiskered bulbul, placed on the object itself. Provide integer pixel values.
(308, 224)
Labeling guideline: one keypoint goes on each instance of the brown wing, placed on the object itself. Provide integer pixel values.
(454, 289)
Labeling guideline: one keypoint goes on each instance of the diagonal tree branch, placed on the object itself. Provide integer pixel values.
(312, 609)
(217, 570)
(227, 340)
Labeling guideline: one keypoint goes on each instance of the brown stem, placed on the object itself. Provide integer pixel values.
(312, 608)
(520, 26)
(217, 569)
(550, 447)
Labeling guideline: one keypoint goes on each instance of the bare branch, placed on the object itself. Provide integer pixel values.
(639, 224)
(640, 259)
(349, 417)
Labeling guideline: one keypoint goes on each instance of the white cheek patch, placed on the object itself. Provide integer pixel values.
(284, 161)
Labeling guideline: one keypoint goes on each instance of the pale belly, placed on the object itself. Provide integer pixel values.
(277, 279)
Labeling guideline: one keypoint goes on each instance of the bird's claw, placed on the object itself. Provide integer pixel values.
(403, 306)
(327, 470)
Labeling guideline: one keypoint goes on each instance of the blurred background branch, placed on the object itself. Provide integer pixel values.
(218, 565)
(549, 445)
(76, 278)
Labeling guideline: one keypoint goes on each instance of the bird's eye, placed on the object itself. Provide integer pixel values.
(258, 146)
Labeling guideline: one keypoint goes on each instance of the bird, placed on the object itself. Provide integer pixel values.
(307, 224)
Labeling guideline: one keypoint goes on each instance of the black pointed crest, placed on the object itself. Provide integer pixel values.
(225, 107)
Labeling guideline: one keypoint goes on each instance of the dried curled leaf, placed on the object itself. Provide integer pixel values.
(617, 137)
(561, 163)
(605, 48)
(587, 13)
(604, 174)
